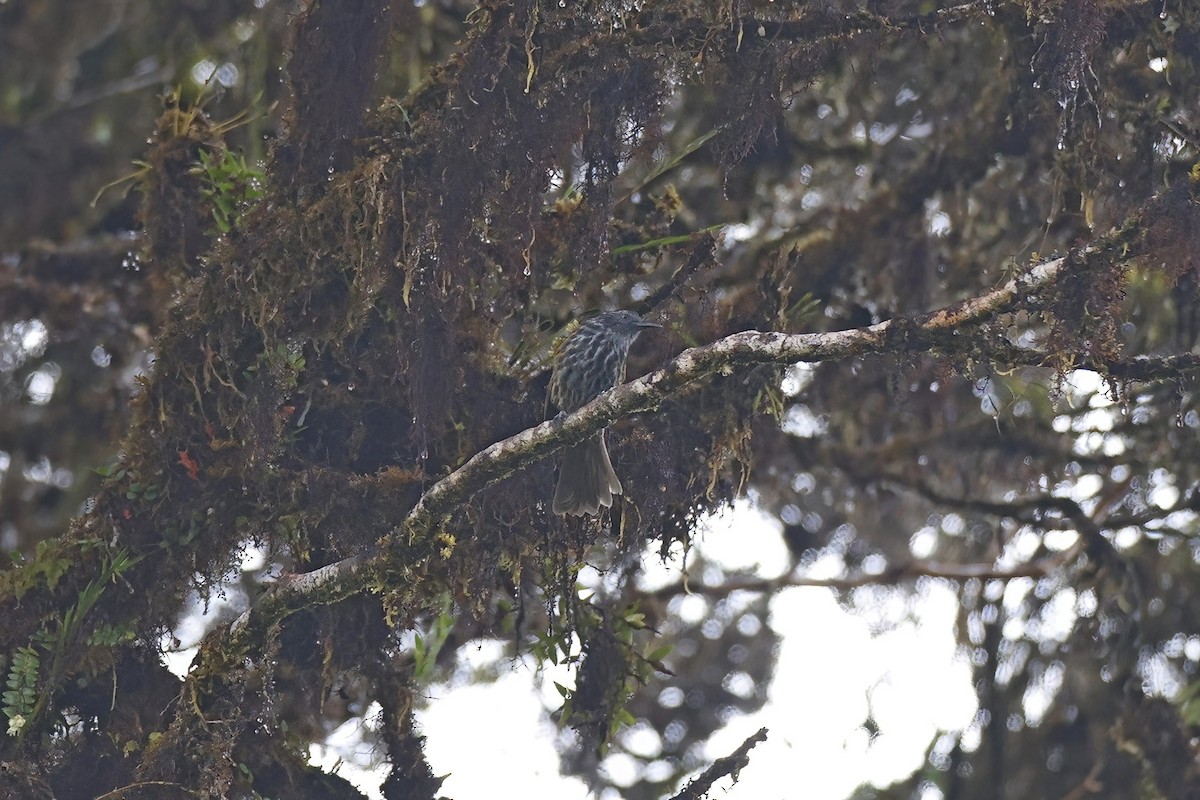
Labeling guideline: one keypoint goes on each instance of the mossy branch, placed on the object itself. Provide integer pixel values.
(498, 461)
(691, 366)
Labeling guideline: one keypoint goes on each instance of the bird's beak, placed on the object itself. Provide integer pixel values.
(648, 325)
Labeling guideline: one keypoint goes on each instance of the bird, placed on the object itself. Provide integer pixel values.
(589, 362)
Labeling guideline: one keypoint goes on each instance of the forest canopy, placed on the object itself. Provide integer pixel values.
(288, 279)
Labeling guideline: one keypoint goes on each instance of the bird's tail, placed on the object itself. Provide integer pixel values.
(586, 481)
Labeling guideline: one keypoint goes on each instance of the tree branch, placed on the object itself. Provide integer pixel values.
(730, 765)
(740, 349)
(496, 462)
(893, 575)
(1139, 368)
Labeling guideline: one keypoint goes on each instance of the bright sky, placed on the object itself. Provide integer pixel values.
(495, 740)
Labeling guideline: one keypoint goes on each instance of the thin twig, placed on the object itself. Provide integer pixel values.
(1139, 368)
(730, 766)
(118, 793)
(898, 574)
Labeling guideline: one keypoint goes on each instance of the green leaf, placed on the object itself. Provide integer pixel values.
(661, 652)
(669, 164)
(20, 699)
(665, 241)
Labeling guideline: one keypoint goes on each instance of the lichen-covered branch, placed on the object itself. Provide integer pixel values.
(690, 367)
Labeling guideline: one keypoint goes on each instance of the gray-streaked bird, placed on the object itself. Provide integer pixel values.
(590, 362)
